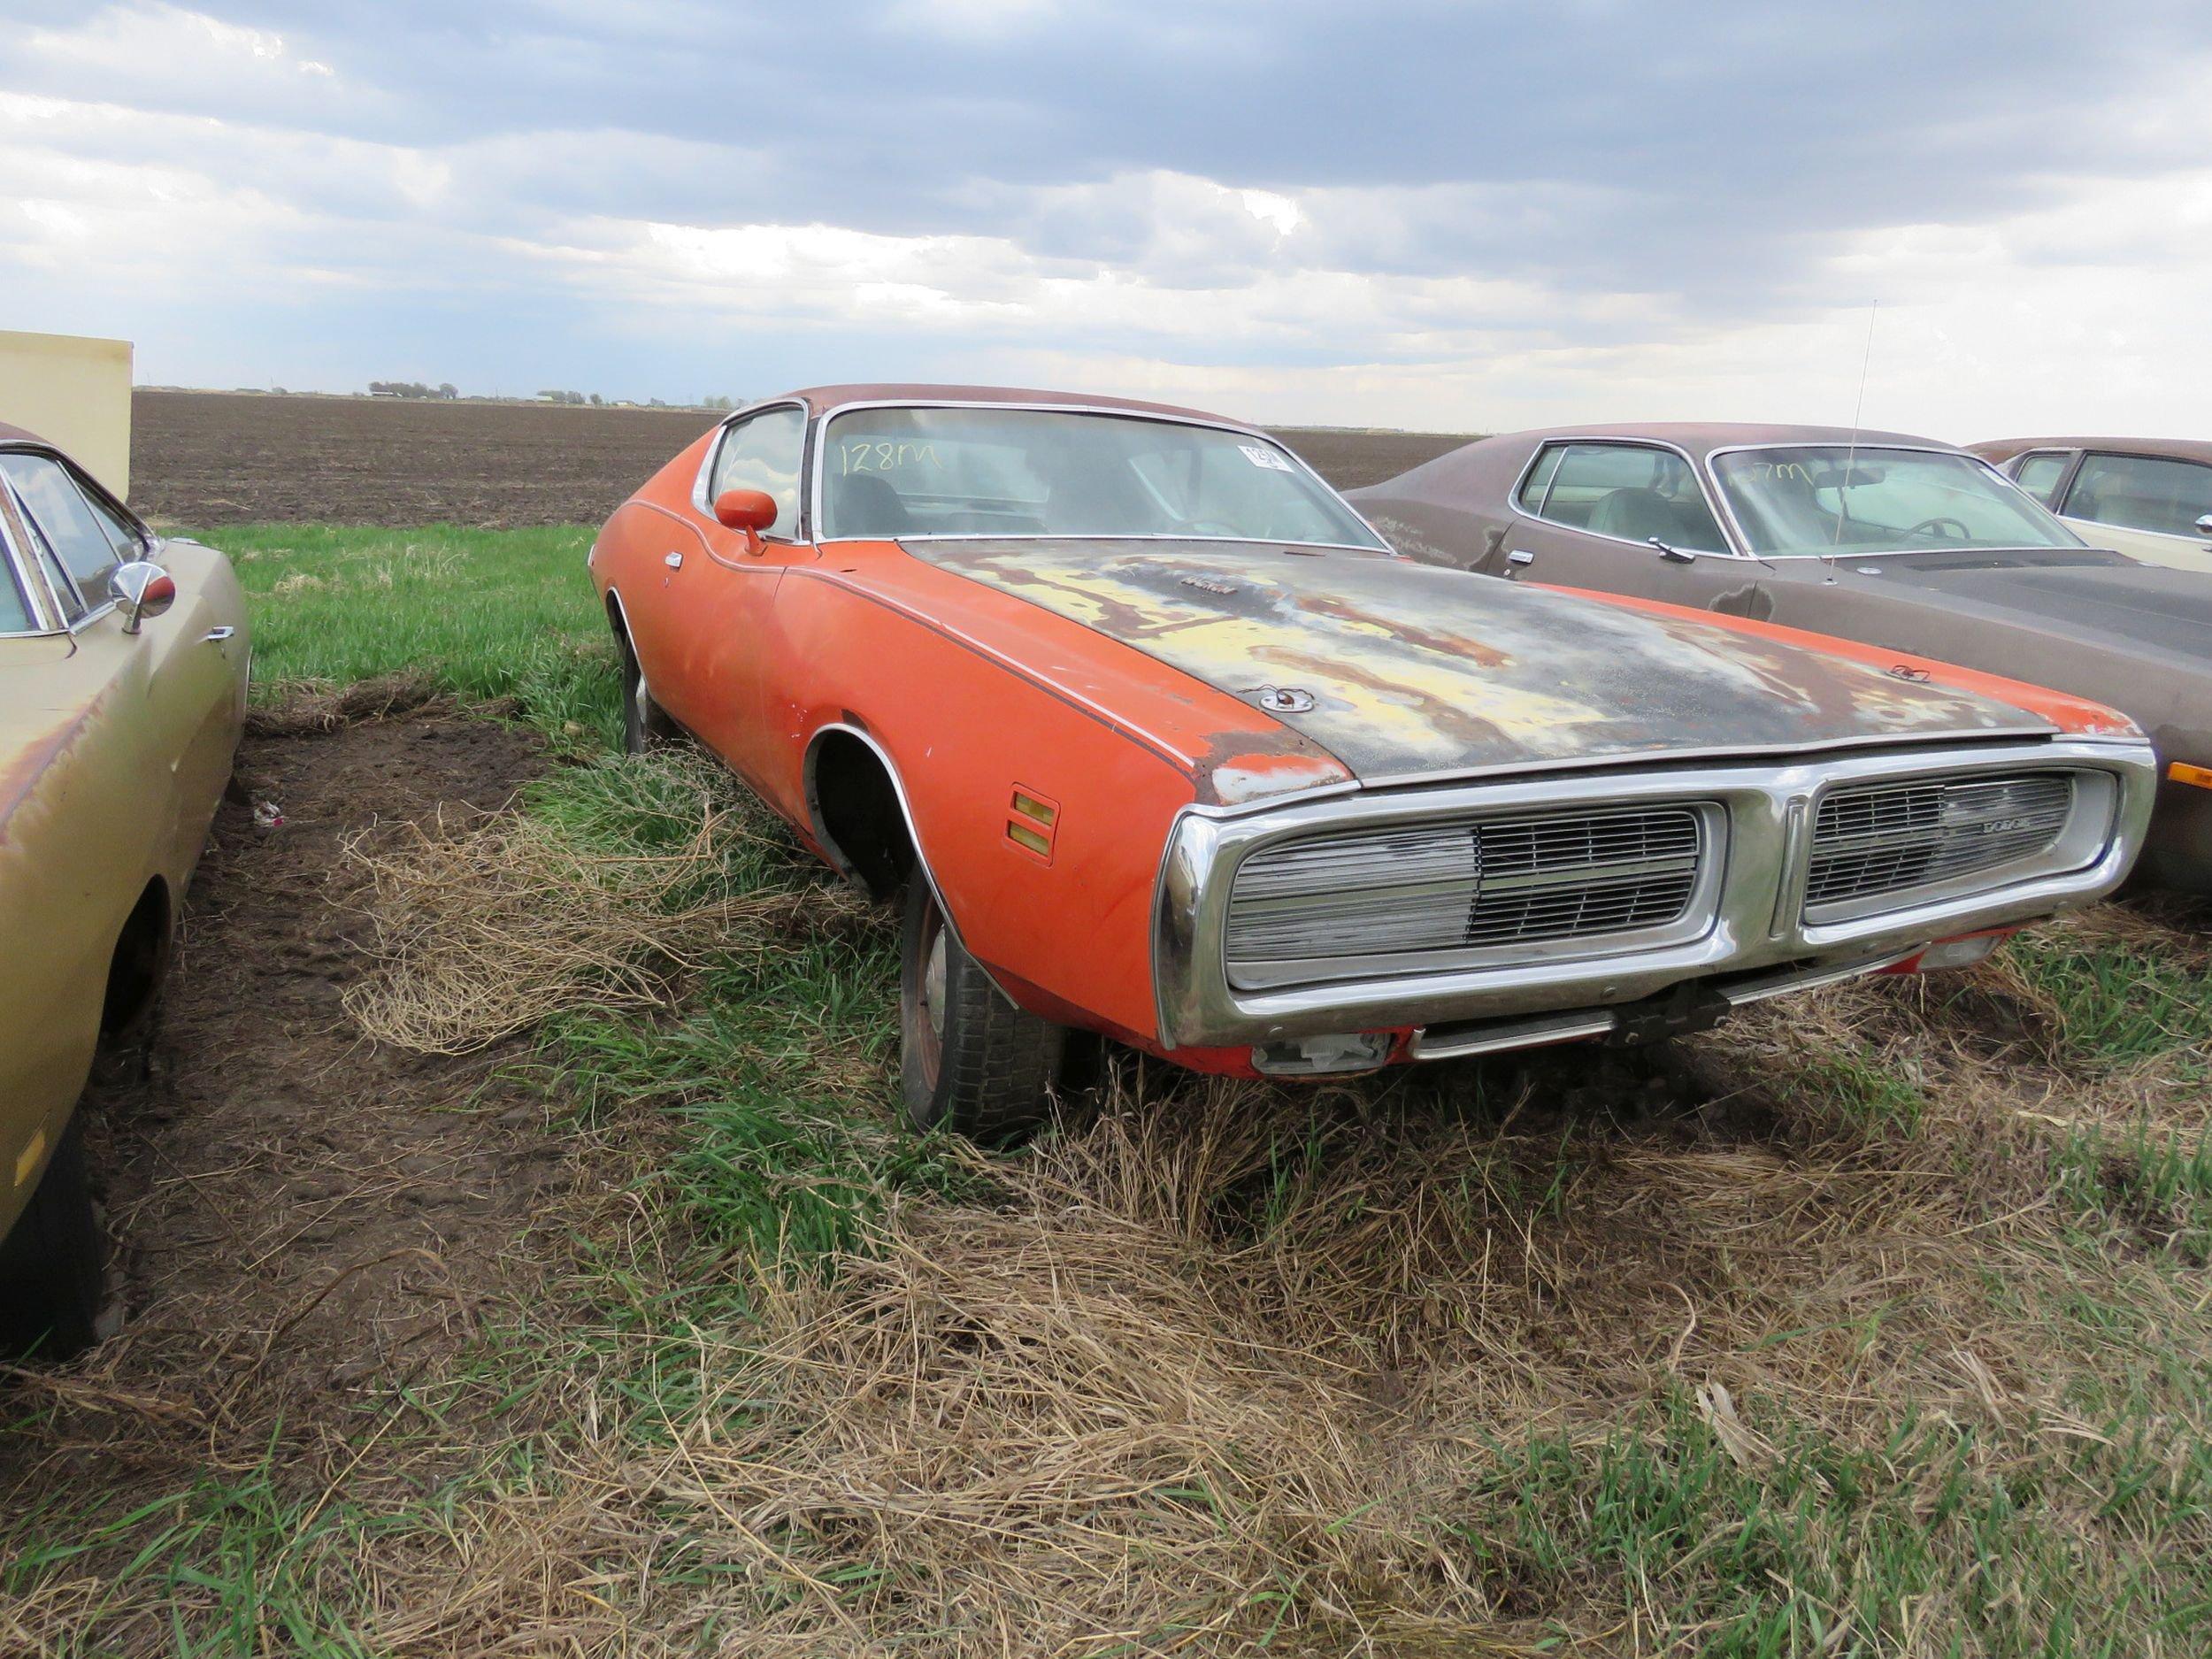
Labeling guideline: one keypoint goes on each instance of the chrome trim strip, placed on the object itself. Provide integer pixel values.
(1197, 1006)
(1777, 983)
(1207, 422)
(1520, 1034)
(1527, 1034)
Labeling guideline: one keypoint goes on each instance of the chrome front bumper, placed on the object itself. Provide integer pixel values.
(1754, 920)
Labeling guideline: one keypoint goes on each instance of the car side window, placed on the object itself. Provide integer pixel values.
(78, 536)
(764, 453)
(2040, 473)
(15, 607)
(1632, 492)
(2141, 492)
(1531, 499)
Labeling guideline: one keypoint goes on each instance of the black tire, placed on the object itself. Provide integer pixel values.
(52, 1262)
(644, 725)
(969, 1060)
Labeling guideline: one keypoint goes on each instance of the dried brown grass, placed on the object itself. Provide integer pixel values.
(485, 924)
(1227, 1366)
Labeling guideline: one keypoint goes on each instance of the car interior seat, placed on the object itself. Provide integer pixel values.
(1636, 515)
(867, 505)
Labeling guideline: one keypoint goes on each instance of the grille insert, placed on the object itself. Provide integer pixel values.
(1890, 837)
(1474, 884)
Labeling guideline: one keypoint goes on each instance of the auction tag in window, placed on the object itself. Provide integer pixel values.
(1261, 456)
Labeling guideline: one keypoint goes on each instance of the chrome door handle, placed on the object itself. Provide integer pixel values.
(674, 561)
(1520, 556)
(216, 636)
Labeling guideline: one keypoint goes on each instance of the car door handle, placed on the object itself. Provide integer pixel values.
(1519, 559)
(674, 561)
(216, 636)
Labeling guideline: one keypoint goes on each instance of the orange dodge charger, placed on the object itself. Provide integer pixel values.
(1162, 741)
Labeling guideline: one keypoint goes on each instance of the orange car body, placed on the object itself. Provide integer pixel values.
(1055, 715)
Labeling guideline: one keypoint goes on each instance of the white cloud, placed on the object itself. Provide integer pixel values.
(170, 153)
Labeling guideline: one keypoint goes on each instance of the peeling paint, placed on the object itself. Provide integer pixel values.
(1417, 669)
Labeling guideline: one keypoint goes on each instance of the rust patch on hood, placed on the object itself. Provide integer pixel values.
(1401, 669)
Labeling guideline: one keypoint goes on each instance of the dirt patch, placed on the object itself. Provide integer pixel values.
(205, 459)
(303, 1217)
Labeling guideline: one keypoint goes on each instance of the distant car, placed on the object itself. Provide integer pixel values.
(123, 662)
(2150, 498)
(1892, 541)
(1165, 744)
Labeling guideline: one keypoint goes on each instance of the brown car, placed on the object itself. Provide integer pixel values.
(2150, 498)
(122, 686)
(1895, 540)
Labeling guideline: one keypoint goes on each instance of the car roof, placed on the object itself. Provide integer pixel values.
(1701, 438)
(16, 435)
(819, 399)
(2177, 449)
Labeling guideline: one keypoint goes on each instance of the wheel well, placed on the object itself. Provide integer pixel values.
(135, 970)
(857, 815)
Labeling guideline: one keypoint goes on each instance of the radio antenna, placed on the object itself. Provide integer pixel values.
(1851, 454)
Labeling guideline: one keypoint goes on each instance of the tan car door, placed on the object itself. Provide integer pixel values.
(177, 682)
(2146, 506)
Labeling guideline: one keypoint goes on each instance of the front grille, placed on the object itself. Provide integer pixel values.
(1472, 885)
(1890, 837)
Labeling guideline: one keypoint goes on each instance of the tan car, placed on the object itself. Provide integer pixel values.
(2150, 498)
(123, 662)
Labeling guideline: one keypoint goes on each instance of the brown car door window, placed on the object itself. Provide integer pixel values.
(78, 537)
(2141, 492)
(1632, 493)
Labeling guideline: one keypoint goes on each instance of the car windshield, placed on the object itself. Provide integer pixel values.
(1055, 472)
(1808, 499)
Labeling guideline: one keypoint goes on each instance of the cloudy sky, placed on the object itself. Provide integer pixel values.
(1458, 216)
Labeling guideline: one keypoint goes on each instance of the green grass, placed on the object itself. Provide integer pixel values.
(1824, 1550)
(485, 614)
(2120, 1006)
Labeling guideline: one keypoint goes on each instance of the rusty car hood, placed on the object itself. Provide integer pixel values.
(1412, 669)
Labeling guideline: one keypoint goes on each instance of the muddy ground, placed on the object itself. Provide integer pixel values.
(304, 1218)
(205, 459)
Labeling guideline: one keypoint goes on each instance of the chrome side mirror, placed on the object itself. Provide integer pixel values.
(2204, 525)
(1672, 555)
(141, 589)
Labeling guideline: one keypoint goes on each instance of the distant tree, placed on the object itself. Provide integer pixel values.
(718, 403)
(596, 400)
(448, 389)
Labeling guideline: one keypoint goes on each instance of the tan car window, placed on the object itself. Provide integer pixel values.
(2039, 475)
(2141, 492)
(764, 454)
(15, 611)
(78, 537)
(58, 584)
